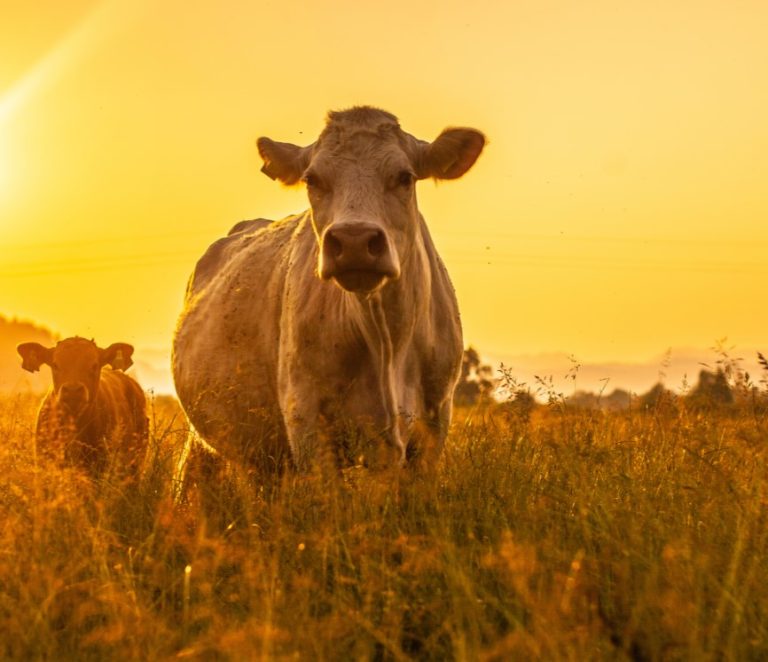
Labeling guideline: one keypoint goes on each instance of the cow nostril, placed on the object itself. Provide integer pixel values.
(333, 245)
(377, 245)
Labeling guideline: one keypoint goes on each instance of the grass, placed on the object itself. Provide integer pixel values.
(556, 534)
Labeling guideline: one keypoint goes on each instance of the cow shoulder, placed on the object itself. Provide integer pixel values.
(122, 400)
(136, 405)
(119, 387)
(441, 341)
(220, 252)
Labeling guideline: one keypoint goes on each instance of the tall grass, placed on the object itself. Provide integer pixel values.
(553, 535)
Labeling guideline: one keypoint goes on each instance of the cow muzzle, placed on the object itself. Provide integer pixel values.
(359, 257)
(73, 396)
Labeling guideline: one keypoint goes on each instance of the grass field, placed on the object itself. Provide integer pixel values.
(554, 535)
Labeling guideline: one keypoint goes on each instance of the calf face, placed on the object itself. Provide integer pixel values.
(76, 365)
(360, 177)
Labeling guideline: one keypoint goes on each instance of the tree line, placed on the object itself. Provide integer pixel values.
(724, 385)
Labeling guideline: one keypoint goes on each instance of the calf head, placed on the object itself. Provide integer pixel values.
(360, 176)
(76, 365)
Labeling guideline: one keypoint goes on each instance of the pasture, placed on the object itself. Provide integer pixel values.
(554, 534)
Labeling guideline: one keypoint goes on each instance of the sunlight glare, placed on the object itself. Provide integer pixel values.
(5, 174)
(94, 25)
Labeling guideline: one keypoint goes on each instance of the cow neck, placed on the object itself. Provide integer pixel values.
(386, 370)
(395, 309)
(387, 320)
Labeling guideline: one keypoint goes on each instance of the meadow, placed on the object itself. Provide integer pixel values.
(544, 533)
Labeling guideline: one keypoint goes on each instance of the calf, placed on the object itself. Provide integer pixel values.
(91, 414)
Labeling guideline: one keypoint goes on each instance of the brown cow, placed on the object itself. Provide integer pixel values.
(92, 415)
(335, 323)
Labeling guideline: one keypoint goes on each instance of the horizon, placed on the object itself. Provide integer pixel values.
(677, 368)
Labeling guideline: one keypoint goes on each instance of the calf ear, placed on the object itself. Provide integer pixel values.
(451, 155)
(34, 355)
(283, 161)
(117, 355)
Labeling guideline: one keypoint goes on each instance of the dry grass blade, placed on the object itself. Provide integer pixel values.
(558, 534)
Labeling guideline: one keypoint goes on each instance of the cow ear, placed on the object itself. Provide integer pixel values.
(34, 355)
(283, 161)
(117, 355)
(451, 155)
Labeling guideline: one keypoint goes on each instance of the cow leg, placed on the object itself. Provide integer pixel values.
(309, 438)
(302, 438)
(445, 412)
(181, 465)
(427, 436)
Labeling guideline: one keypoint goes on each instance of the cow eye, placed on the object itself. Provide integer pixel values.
(311, 180)
(405, 178)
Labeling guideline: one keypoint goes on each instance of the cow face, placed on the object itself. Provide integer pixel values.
(76, 365)
(360, 177)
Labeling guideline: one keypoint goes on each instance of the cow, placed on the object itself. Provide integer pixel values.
(92, 414)
(339, 322)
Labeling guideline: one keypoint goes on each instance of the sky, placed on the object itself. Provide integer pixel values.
(618, 210)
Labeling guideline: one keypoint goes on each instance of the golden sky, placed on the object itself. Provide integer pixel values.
(620, 207)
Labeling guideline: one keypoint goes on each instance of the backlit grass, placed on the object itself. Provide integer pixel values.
(553, 535)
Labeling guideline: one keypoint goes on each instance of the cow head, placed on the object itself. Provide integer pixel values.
(76, 365)
(360, 176)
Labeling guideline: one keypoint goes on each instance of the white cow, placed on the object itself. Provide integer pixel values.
(338, 323)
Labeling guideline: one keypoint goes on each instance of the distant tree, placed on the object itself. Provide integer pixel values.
(657, 398)
(517, 399)
(476, 382)
(583, 400)
(711, 391)
(520, 405)
(12, 377)
(617, 400)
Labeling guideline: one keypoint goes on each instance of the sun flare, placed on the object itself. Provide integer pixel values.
(5, 173)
